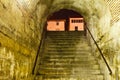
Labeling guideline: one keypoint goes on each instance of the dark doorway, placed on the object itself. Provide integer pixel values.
(76, 28)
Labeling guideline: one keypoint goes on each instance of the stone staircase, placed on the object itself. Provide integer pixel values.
(67, 56)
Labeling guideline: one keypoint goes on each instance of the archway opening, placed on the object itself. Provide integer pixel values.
(65, 20)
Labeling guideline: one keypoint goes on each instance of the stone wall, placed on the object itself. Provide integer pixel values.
(19, 39)
(111, 47)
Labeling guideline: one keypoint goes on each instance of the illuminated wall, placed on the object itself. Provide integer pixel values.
(56, 25)
(76, 24)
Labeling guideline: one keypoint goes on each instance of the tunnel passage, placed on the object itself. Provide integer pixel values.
(66, 53)
(22, 23)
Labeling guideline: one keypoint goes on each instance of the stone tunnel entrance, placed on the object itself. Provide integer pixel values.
(65, 52)
(65, 20)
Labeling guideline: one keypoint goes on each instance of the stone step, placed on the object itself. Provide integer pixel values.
(68, 71)
(65, 39)
(62, 61)
(67, 35)
(64, 45)
(51, 45)
(69, 48)
(62, 57)
(63, 67)
(81, 52)
(68, 55)
(49, 50)
(65, 62)
(65, 32)
(69, 59)
(71, 77)
(80, 63)
(67, 42)
(95, 66)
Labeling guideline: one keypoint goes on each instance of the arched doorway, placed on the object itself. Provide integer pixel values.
(65, 20)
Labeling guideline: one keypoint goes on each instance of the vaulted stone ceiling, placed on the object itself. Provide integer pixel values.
(21, 16)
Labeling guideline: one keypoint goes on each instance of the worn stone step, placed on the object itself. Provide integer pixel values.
(69, 64)
(66, 42)
(63, 67)
(66, 35)
(67, 46)
(75, 58)
(68, 55)
(64, 45)
(67, 75)
(68, 68)
(68, 71)
(68, 51)
(73, 48)
(65, 39)
(80, 39)
(62, 57)
(72, 77)
(88, 66)
(65, 62)
(58, 45)
(54, 50)
(71, 70)
(81, 52)
(65, 32)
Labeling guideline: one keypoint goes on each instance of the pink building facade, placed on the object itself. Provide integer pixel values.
(76, 24)
(56, 25)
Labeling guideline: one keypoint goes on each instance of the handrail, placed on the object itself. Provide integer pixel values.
(110, 71)
(41, 41)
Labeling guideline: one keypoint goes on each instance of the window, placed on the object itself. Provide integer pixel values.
(72, 21)
(57, 23)
(76, 21)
